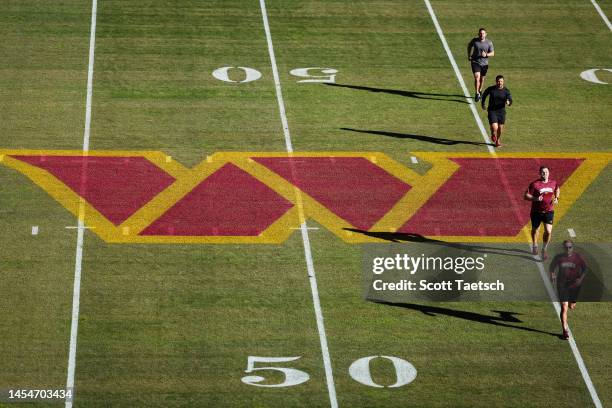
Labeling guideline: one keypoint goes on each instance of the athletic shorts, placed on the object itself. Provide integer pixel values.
(538, 218)
(476, 67)
(567, 294)
(497, 116)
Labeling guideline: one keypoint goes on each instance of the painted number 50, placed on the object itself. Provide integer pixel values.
(292, 375)
(360, 371)
(310, 74)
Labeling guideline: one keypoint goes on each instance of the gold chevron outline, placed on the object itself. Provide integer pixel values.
(422, 188)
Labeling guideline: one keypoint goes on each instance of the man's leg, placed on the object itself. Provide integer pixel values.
(500, 129)
(534, 239)
(572, 305)
(494, 130)
(477, 85)
(563, 316)
(481, 83)
(547, 236)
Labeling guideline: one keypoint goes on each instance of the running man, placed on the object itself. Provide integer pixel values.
(499, 98)
(571, 272)
(479, 50)
(543, 194)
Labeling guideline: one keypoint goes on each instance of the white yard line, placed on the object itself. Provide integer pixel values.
(76, 293)
(602, 14)
(585, 374)
(331, 388)
(571, 232)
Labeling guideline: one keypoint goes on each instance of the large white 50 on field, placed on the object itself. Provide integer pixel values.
(310, 74)
(359, 370)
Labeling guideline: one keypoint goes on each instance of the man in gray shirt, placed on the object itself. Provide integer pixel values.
(479, 50)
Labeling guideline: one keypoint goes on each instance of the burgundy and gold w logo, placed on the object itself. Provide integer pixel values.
(247, 197)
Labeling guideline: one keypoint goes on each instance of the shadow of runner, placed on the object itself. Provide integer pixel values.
(409, 94)
(430, 139)
(503, 318)
(412, 237)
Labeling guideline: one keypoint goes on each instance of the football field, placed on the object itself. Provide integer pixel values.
(192, 192)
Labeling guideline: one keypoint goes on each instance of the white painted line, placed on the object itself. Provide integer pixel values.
(34, 229)
(414, 160)
(577, 356)
(76, 292)
(602, 14)
(483, 131)
(308, 228)
(571, 232)
(331, 388)
(279, 93)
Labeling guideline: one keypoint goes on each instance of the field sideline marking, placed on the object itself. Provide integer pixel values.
(76, 294)
(305, 239)
(574, 347)
(602, 14)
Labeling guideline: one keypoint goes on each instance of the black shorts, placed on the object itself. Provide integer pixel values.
(566, 293)
(476, 67)
(538, 218)
(497, 116)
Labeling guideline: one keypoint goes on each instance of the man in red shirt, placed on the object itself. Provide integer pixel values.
(543, 194)
(572, 270)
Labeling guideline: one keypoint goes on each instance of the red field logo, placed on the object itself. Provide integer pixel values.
(146, 197)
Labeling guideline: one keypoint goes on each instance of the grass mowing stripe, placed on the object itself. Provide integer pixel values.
(573, 346)
(303, 227)
(76, 293)
(602, 14)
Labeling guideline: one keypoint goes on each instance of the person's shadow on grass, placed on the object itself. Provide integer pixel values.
(502, 319)
(423, 138)
(399, 237)
(409, 94)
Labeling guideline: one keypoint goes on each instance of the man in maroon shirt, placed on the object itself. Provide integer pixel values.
(543, 194)
(572, 270)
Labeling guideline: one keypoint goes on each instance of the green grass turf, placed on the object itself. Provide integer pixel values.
(171, 325)
(42, 86)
